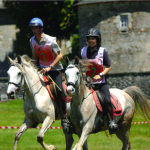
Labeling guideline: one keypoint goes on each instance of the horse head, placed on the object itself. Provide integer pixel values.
(15, 74)
(75, 74)
(72, 75)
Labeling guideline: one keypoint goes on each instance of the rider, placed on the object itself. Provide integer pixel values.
(99, 58)
(46, 51)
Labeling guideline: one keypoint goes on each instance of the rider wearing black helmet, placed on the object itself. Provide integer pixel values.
(99, 58)
(46, 51)
(94, 33)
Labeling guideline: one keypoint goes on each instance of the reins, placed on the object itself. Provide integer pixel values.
(24, 89)
(81, 76)
(83, 88)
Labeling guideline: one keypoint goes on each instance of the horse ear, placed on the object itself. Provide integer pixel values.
(66, 61)
(19, 59)
(76, 60)
(10, 61)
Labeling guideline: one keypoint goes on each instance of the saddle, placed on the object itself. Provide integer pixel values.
(51, 91)
(100, 102)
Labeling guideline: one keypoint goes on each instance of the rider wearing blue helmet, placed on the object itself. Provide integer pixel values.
(46, 51)
(35, 23)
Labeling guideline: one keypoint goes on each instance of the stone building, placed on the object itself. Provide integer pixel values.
(125, 31)
(8, 31)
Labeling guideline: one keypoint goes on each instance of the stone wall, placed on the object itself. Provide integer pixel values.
(130, 51)
(8, 32)
(121, 81)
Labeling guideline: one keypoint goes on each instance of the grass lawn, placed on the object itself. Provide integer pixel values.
(11, 114)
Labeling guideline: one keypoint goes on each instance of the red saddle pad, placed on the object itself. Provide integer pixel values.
(117, 109)
(50, 90)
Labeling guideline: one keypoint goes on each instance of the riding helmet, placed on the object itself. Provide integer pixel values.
(36, 22)
(93, 32)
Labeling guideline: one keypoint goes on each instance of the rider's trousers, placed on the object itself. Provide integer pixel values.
(56, 75)
(103, 87)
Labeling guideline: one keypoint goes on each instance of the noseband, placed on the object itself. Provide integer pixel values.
(14, 84)
(21, 81)
(71, 83)
(17, 85)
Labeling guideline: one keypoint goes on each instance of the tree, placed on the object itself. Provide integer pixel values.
(59, 18)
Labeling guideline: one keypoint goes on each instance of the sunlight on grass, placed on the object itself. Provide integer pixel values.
(11, 114)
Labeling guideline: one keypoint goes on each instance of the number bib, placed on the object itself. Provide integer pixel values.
(96, 65)
(45, 54)
(95, 68)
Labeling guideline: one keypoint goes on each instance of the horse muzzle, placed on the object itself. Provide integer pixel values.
(11, 95)
(70, 90)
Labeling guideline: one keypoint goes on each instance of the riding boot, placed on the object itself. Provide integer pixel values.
(113, 127)
(65, 120)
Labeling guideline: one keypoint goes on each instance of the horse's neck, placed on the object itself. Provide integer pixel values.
(32, 80)
(81, 94)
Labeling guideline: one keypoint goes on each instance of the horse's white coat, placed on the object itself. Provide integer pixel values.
(16, 78)
(84, 113)
(38, 106)
(120, 95)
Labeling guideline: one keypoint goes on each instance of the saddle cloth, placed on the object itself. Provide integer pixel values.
(116, 110)
(50, 89)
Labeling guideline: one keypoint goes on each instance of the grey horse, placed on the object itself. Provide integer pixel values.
(84, 113)
(38, 105)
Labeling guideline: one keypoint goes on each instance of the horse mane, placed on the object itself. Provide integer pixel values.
(84, 67)
(27, 61)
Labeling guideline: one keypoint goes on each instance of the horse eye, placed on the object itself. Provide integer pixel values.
(78, 73)
(19, 73)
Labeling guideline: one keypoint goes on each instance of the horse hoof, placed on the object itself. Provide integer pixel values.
(52, 147)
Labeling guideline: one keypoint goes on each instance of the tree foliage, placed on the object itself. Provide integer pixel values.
(59, 18)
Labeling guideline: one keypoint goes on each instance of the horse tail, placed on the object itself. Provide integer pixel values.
(139, 98)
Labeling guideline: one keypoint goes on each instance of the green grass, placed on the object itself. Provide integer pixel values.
(11, 114)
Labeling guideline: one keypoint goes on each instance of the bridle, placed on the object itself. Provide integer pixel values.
(81, 78)
(14, 84)
(81, 75)
(71, 83)
(19, 85)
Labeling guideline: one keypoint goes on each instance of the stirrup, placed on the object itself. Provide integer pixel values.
(66, 124)
(65, 119)
(113, 127)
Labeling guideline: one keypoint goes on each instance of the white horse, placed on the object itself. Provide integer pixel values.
(84, 113)
(38, 105)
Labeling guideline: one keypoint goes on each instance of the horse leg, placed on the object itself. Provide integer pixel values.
(123, 135)
(45, 126)
(27, 123)
(85, 147)
(82, 140)
(69, 141)
(85, 131)
(123, 132)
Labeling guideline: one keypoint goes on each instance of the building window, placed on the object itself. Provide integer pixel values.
(124, 23)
